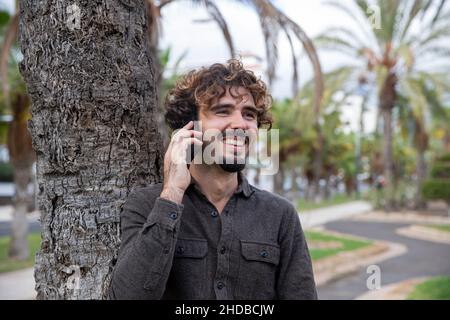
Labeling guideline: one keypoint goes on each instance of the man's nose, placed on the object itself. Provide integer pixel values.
(238, 122)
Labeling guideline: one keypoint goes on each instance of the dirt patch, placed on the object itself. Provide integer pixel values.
(325, 245)
(403, 217)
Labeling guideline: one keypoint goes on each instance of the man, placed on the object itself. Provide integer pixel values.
(205, 232)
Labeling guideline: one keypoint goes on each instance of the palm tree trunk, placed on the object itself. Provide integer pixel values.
(388, 164)
(94, 132)
(318, 163)
(257, 176)
(446, 141)
(387, 102)
(278, 181)
(421, 174)
(19, 249)
(327, 188)
(294, 176)
(359, 143)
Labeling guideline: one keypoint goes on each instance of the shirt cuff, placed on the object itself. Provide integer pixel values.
(165, 212)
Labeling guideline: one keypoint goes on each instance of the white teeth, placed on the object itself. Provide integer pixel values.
(234, 142)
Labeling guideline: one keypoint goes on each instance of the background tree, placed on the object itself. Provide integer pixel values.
(410, 35)
(295, 120)
(437, 187)
(417, 109)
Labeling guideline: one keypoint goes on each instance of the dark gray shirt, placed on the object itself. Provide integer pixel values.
(254, 249)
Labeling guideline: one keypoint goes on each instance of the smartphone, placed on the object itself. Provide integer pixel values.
(194, 149)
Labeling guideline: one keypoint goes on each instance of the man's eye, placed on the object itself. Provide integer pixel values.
(250, 115)
(225, 112)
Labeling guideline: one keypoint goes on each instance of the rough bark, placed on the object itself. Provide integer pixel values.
(94, 132)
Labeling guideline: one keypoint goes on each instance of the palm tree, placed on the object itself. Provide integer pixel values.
(297, 128)
(93, 128)
(411, 34)
(417, 108)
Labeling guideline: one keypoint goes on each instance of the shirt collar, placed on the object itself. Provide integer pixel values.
(243, 186)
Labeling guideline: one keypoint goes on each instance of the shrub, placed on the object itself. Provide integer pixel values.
(6, 172)
(438, 186)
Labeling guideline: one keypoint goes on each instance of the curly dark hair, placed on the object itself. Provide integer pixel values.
(199, 88)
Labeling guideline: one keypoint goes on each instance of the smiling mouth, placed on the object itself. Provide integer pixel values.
(235, 141)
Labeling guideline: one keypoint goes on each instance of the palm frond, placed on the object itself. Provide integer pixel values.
(438, 11)
(358, 16)
(294, 64)
(217, 16)
(417, 7)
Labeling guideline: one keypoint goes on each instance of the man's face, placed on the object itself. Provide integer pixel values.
(235, 117)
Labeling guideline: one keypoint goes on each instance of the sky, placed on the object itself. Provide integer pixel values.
(203, 42)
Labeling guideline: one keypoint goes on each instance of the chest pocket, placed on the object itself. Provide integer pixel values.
(191, 248)
(257, 270)
(189, 268)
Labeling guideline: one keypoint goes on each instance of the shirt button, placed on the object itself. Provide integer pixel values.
(222, 250)
(220, 285)
(173, 215)
(214, 213)
(264, 253)
(180, 250)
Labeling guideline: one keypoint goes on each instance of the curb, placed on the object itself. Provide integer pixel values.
(424, 233)
(395, 291)
(344, 263)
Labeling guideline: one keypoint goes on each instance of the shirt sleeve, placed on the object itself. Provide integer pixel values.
(147, 248)
(295, 278)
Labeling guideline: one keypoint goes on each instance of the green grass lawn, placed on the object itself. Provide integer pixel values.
(442, 227)
(302, 204)
(437, 288)
(347, 244)
(7, 264)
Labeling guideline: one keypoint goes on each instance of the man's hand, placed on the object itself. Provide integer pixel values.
(176, 174)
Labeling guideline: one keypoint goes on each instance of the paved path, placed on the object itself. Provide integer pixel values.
(317, 217)
(6, 216)
(17, 285)
(424, 258)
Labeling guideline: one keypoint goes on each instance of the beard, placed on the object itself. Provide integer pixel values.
(232, 167)
(223, 155)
